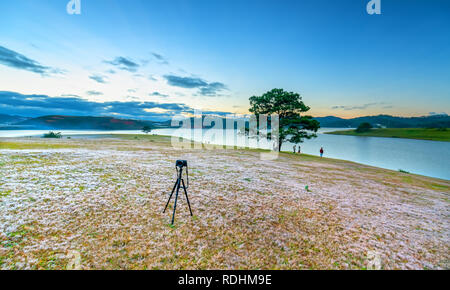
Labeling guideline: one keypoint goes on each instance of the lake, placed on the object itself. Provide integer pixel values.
(430, 158)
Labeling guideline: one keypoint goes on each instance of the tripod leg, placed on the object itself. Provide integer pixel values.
(187, 198)
(175, 204)
(176, 183)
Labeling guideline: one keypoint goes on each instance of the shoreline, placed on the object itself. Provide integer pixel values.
(436, 135)
(93, 137)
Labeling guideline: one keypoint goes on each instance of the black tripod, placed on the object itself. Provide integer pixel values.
(179, 167)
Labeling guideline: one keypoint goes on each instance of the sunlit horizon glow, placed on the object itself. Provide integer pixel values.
(163, 58)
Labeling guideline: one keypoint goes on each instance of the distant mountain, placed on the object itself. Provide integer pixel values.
(112, 123)
(331, 121)
(434, 121)
(8, 119)
(82, 123)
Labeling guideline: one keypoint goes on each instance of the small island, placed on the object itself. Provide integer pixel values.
(433, 134)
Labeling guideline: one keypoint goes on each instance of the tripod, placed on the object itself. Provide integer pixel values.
(180, 181)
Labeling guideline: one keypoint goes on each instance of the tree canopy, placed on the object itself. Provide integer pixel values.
(294, 127)
(364, 127)
(146, 129)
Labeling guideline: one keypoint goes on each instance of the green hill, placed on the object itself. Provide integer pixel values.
(83, 123)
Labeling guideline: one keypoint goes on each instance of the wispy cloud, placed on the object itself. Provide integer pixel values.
(185, 82)
(205, 89)
(124, 63)
(159, 58)
(360, 107)
(70, 95)
(98, 78)
(212, 89)
(157, 94)
(94, 93)
(19, 61)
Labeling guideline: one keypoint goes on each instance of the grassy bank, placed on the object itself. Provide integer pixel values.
(103, 200)
(407, 133)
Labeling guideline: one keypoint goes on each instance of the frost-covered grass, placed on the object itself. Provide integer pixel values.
(104, 198)
(31, 145)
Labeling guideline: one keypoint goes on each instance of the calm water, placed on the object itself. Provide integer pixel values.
(430, 158)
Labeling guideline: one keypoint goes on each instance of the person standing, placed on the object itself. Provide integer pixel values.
(321, 152)
(295, 151)
(299, 149)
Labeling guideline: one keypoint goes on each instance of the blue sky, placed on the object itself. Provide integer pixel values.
(154, 59)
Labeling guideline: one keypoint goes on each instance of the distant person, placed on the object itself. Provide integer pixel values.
(321, 152)
(295, 150)
(299, 150)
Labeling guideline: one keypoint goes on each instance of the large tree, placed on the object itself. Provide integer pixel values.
(147, 129)
(294, 127)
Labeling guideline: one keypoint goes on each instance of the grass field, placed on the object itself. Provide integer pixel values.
(101, 200)
(408, 133)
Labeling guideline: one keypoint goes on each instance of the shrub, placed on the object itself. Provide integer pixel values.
(146, 129)
(52, 134)
(364, 127)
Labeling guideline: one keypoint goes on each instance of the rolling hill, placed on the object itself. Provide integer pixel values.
(111, 123)
(434, 121)
(8, 119)
(81, 123)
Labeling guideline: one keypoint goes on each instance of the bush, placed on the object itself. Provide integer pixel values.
(52, 134)
(146, 129)
(364, 127)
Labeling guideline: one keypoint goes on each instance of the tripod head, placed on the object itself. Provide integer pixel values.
(179, 164)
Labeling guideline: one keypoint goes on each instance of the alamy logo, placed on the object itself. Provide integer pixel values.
(257, 133)
(374, 7)
(74, 7)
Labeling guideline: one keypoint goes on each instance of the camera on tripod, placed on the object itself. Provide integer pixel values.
(179, 183)
(181, 163)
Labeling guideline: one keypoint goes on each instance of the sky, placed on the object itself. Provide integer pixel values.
(155, 59)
